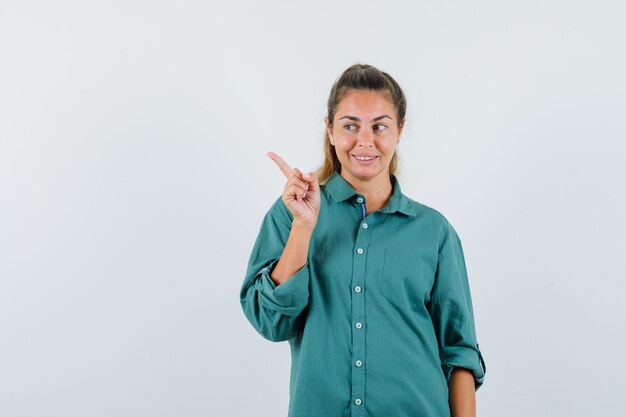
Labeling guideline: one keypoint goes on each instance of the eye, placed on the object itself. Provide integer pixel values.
(348, 127)
(381, 127)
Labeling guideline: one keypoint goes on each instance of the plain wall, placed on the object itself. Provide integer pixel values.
(133, 181)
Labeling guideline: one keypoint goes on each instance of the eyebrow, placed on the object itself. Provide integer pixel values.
(356, 119)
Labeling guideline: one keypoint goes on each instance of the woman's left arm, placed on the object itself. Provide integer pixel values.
(450, 308)
(462, 393)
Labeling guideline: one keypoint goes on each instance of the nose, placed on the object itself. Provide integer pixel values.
(365, 139)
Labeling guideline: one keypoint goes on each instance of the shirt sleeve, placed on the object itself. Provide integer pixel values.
(452, 314)
(277, 312)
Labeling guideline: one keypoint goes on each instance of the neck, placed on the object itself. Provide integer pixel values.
(376, 191)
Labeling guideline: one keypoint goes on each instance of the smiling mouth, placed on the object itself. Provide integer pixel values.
(364, 158)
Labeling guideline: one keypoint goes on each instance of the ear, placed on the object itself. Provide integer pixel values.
(401, 128)
(329, 130)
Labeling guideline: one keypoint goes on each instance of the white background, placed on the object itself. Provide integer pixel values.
(133, 180)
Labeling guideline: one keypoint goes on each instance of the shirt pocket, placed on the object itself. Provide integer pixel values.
(407, 278)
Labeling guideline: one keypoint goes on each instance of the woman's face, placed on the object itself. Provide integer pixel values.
(365, 134)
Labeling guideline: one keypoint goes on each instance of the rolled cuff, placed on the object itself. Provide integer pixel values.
(290, 296)
(464, 357)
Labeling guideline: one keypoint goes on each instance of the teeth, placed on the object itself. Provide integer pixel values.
(364, 158)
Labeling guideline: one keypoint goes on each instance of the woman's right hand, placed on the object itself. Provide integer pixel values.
(301, 194)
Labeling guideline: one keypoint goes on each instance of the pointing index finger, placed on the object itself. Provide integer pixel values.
(284, 166)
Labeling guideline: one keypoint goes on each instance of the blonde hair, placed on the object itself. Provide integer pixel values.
(359, 77)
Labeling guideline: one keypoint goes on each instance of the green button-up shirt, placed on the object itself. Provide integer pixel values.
(378, 316)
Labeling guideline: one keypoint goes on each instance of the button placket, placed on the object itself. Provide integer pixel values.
(359, 275)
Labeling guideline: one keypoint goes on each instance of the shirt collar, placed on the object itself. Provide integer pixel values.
(341, 190)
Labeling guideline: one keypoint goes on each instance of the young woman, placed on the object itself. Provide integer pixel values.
(368, 286)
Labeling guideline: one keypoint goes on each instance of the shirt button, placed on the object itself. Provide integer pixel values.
(358, 401)
(358, 324)
(359, 251)
(364, 225)
(357, 289)
(358, 363)
(359, 200)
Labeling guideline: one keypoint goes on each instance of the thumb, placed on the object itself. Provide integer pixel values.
(311, 178)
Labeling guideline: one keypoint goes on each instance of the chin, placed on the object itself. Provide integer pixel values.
(363, 174)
